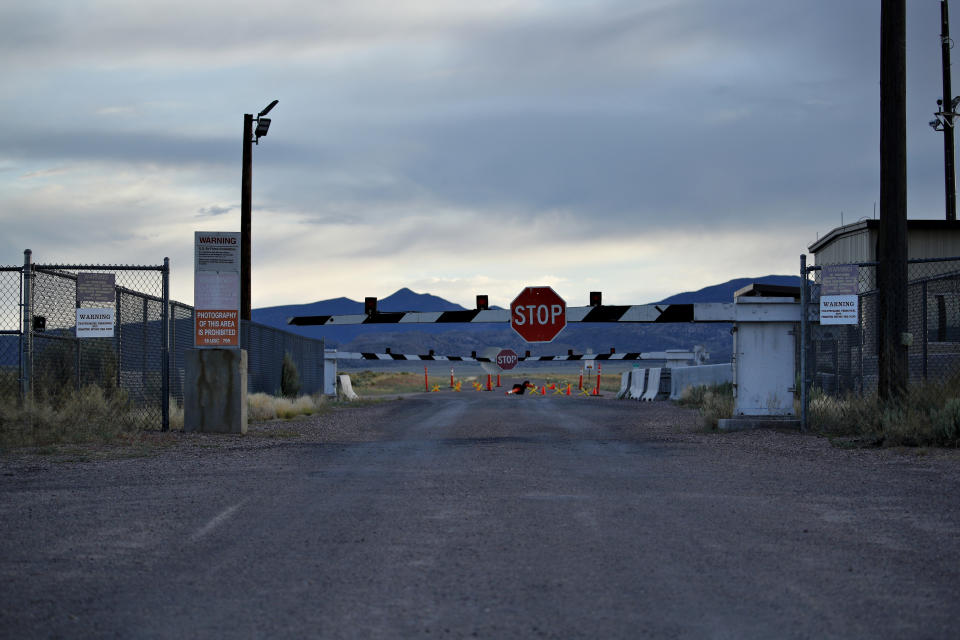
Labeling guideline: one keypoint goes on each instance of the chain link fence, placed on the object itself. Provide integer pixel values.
(127, 362)
(266, 347)
(843, 359)
(141, 365)
(10, 320)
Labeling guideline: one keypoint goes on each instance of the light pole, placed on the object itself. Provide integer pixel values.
(251, 136)
(946, 112)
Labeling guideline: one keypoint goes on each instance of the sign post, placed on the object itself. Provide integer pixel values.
(216, 289)
(538, 314)
(215, 372)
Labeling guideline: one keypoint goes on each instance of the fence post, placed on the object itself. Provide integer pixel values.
(144, 342)
(923, 326)
(165, 347)
(26, 332)
(804, 327)
(119, 334)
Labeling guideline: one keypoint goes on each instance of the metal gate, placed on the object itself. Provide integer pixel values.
(42, 359)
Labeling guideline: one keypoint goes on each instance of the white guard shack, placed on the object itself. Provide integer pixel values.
(764, 352)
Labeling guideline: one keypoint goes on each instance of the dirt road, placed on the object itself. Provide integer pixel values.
(479, 515)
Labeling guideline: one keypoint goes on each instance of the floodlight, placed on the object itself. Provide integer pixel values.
(267, 108)
(263, 125)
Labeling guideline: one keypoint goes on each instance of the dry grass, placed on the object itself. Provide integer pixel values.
(176, 415)
(87, 415)
(389, 382)
(929, 415)
(262, 406)
(715, 402)
(609, 382)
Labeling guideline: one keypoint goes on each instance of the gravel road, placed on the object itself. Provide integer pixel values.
(481, 515)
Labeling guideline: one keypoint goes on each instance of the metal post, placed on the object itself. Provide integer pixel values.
(923, 326)
(26, 332)
(143, 359)
(165, 347)
(950, 176)
(804, 326)
(119, 334)
(77, 360)
(246, 187)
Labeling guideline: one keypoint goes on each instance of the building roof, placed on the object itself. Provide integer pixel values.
(869, 224)
(762, 290)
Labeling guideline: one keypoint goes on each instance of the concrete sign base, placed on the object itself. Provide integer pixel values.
(215, 391)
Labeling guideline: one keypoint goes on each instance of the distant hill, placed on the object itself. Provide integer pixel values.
(461, 339)
(724, 292)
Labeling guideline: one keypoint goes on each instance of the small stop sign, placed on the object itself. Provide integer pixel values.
(507, 359)
(538, 314)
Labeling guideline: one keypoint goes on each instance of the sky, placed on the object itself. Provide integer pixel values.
(640, 148)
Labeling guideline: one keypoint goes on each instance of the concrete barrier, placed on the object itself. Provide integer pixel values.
(703, 375)
(346, 388)
(624, 386)
(637, 379)
(653, 384)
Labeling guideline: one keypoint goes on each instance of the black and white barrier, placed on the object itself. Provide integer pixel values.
(670, 356)
(643, 313)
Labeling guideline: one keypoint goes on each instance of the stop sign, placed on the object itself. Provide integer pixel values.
(538, 314)
(507, 359)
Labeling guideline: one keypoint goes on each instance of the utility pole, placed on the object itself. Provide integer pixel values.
(947, 108)
(892, 242)
(251, 136)
(246, 188)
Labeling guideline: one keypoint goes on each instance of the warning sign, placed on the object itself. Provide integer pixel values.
(839, 302)
(217, 328)
(216, 289)
(95, 323)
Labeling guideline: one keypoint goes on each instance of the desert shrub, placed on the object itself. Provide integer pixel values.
(289, 377)
(927, 415)
(262, 406)
(945, 422)
(176, 415)
(89, 414)
(716, 406)
(715, 402)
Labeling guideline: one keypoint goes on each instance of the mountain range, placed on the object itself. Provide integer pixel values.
(461, 339)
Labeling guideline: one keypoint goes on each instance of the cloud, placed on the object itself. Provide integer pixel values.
(636, 147)
(214, 210)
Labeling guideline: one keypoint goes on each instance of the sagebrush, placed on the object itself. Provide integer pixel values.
(927, 415)
(85, 415)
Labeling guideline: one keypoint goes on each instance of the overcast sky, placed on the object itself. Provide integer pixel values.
(639, 147)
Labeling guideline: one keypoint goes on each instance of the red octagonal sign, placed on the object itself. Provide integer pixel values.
(507, 359)
(538, 314)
